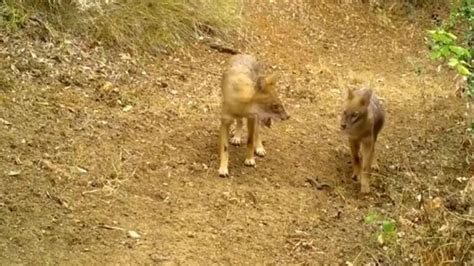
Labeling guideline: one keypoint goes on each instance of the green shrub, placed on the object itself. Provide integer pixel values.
(11, 17)
(457, 52)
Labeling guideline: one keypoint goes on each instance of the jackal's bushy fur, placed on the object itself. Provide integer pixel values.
(362, 119)
(247, 94)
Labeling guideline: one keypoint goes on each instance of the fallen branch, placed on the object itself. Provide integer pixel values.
(223, 49)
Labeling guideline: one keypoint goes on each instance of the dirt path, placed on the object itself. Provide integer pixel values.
(90, 171)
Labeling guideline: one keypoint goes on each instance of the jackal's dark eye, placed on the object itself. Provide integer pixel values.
(275, 107)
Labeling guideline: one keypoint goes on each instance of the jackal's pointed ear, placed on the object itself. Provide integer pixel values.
(365, 97)
(271, 79)
(265, 81)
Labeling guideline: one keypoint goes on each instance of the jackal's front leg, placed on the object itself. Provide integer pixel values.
(224, 147)
(238, 132)
(375, 162)
(356, 161)
(250, 158)
(259, 149)
(367, 156)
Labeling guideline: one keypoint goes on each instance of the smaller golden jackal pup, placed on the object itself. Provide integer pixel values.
(246, 94)
(362, 119)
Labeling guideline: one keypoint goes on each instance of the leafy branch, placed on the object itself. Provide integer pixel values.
(457, 52)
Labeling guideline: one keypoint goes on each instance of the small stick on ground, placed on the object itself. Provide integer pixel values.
(340, 195)
(89, 191)
(110, 227)
(354, 261)
(223, 49)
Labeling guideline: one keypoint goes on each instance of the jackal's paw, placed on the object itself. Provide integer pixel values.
(375, 166)
(260, 151)
(354, 176)
(364, 186)
(250, 162)
(235, 140)
(364, 189)
(223, 172)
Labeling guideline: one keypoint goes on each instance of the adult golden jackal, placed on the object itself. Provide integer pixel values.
(362, 119)
(247, 94)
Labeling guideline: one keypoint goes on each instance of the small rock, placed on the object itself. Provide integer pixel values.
(81, 170)
(5, 122)
(133, 234)
(14, 173)
(418, 198)
(127, 108)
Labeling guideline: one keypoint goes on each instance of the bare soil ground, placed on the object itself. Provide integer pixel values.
(83, 164)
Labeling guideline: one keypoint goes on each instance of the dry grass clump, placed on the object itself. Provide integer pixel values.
(139, 24)
(403, 7)
(165, 22)
(452, 242)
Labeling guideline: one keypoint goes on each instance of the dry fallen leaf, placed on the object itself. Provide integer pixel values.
(380, 239)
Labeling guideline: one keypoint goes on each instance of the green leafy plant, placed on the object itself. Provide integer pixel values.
(457, 52)
(445, 47)
(371, 217)
(11, 17)
(387, 231)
